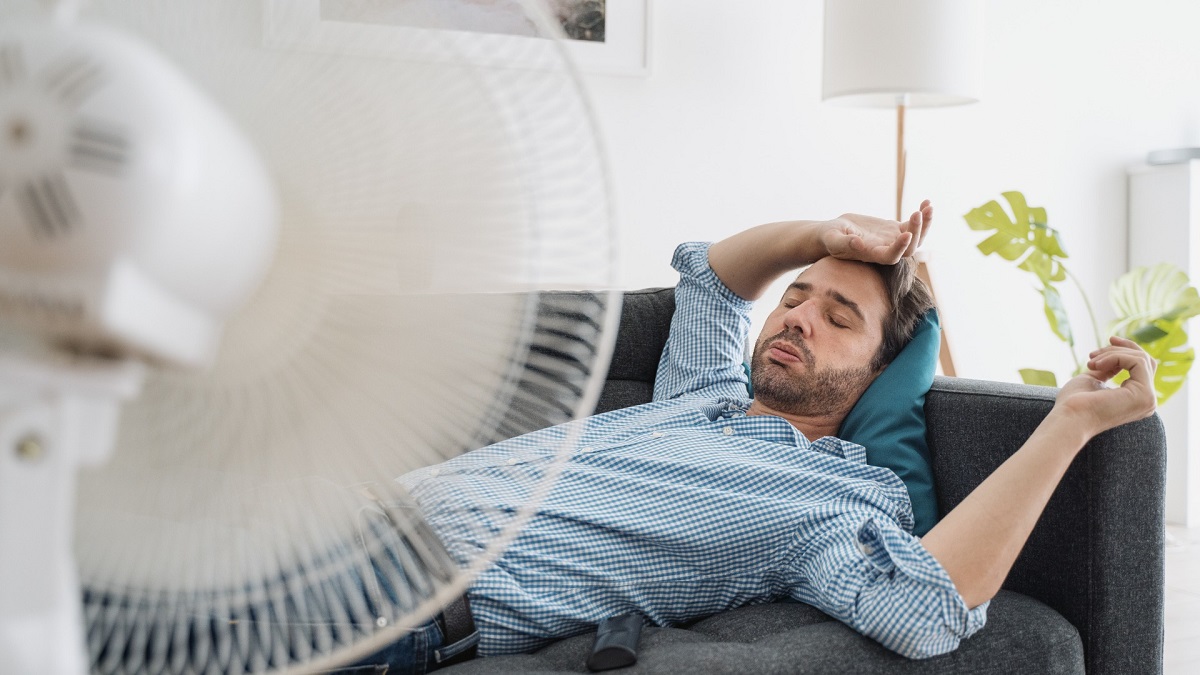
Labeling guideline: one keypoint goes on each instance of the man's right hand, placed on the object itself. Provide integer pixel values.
(749, 261)
(876, 240)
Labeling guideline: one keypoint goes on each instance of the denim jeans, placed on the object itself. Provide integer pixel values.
(418, 652)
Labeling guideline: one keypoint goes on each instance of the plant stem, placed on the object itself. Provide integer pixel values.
(1071, 348)
(1088, 305)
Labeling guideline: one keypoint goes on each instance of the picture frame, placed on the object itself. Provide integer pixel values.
(297, 24)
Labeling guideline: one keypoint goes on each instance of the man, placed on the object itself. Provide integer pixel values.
(705, 500)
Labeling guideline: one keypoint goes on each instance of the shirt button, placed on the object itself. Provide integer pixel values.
(657, 434)
(867, 549)
(435, 473)
(728, 431)
(587, 449)
(511, 461)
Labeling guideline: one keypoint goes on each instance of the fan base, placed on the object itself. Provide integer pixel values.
(55, 416)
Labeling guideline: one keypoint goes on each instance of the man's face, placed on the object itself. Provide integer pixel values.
(814, 353)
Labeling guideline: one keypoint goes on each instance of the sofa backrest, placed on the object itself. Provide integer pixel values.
(645, 324)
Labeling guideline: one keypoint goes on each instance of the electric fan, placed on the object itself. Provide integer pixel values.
(255, 263)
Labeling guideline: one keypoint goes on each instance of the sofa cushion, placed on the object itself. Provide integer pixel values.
(1022, 636)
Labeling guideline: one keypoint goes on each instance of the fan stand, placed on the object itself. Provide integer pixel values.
(55, 417)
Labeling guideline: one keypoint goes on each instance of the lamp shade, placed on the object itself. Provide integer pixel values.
(879, 50)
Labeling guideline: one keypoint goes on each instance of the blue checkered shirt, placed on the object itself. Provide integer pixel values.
(687, 506)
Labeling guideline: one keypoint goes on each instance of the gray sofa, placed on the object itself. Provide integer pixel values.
(1086, 594)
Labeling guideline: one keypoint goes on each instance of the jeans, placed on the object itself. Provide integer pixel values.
(418, 652)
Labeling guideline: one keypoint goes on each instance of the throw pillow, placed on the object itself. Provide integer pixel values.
(889, 420)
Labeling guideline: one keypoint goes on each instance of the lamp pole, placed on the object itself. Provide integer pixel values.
(901, 155)
(944, 357)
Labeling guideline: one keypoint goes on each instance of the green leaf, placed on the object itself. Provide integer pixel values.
(1004, 246)
(990, 216)
(1020, 208)
(1152, 331)
(1025, 237)
(1047, 241)
(1174, 358)
(1042, 378)
(1056, 314)
(1147, 300)
(1043, 267)
(1024, 216)
(1152, 305)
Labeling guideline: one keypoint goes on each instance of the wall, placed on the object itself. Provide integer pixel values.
(729, 131)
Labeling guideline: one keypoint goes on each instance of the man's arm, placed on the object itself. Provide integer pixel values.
(704, 350)
(978, 542)
(748, 262)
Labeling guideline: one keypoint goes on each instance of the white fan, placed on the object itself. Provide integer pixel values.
(309, 255)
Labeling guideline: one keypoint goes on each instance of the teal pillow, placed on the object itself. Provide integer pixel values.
(889, 420)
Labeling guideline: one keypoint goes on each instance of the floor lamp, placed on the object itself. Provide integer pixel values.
(903, 54)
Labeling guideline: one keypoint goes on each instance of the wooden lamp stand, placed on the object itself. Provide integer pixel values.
(944, 357)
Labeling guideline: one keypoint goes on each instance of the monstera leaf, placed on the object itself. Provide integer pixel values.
(1035, 247)
(1056, 314)
(1024, 237)
(1146, 297)
(1042, 378)
(1152, 304)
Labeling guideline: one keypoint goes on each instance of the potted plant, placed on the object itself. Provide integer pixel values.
(1152, 304)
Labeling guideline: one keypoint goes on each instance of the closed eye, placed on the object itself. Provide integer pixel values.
(834, 320)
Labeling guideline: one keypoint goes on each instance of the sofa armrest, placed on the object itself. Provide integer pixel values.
(1096, 555)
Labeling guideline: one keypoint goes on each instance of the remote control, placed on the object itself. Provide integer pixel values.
(616, 643)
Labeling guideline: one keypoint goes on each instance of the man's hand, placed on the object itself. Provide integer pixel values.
(749, 261)
(876, 240)
(1087, 400)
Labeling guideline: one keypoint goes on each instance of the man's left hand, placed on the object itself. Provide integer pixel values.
(1100, 408)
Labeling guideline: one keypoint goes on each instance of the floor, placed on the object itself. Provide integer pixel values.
(1182, 649)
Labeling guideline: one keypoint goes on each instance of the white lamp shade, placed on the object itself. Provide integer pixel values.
(879, 50)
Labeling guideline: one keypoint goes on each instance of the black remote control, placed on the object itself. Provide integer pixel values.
(616, 643)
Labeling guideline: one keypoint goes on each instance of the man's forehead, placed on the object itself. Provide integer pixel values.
(855, 281)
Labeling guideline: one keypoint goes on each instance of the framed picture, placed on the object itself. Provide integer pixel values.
(603, 36)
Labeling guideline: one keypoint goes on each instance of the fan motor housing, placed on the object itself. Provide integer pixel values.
(134, 216)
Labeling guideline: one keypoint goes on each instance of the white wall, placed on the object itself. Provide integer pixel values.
(729, 131)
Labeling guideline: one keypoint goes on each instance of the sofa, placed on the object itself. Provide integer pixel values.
(1085, 595)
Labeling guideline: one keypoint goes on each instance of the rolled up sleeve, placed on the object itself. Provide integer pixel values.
(706, 346)
(879, 580)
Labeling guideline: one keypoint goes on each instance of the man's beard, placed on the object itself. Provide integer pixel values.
(815, 392)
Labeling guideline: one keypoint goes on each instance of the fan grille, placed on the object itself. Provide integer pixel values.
(248, 519)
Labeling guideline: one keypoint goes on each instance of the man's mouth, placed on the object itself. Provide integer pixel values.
(783, 350)
(787, 351)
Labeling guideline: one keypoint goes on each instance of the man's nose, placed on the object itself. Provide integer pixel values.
(800, 318)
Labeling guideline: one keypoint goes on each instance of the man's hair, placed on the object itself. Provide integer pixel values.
(908, 298)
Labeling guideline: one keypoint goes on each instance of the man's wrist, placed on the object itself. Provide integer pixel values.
(811, 244)
(1071, 427)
